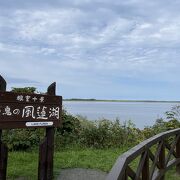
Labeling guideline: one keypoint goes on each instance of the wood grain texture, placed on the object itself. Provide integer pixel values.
(161, 161)
(46, 149)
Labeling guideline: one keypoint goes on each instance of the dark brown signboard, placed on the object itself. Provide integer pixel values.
(22, 110)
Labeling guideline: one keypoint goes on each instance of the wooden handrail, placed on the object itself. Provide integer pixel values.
(160, 161)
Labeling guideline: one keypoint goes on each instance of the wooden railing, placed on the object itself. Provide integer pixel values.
(156, 155)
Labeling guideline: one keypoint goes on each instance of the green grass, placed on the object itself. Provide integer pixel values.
(87, 158)
(22, 164)
(171, 175)
(25, 164)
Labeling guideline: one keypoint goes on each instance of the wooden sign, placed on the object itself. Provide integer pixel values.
(22, 110)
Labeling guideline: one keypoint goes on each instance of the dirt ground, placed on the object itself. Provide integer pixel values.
(81, 174)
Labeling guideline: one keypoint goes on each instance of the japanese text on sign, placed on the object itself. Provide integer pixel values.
(28, 98)
(39, 112)
(17, 109)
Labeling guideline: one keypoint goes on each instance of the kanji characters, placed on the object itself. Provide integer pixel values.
(27, 98)
(28, 111)
(7, 111)
(54, 112)
(35, 112)
(34, 99)
(20, 98)
(41, 99)
(41, 113)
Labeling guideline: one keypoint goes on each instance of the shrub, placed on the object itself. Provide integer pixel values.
(68, 133)
(105, 133)
(22, 139)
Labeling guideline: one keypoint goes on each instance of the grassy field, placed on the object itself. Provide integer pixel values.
(25, 164)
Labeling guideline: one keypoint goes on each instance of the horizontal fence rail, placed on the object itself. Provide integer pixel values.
(156, 155)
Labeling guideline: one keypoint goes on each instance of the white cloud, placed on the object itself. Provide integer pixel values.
(72, 40)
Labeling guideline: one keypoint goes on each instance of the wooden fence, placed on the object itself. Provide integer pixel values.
(155, 155)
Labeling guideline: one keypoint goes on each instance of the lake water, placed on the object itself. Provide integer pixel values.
(141, 113)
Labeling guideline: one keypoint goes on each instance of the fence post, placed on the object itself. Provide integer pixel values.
(125, 176)
(162, 159)
(145, 170)
(178, 155)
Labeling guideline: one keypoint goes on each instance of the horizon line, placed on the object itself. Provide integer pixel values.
(119, 100)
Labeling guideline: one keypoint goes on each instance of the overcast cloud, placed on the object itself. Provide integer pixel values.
(93, 48)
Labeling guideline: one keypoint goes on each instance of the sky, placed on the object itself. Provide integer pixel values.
(99, 49)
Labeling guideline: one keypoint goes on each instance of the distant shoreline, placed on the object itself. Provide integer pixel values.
(103, 100)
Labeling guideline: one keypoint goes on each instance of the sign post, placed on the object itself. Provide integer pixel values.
(46, 149)
(23, 110)
(3, 147)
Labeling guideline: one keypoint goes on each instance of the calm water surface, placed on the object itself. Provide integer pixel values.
(141, 113)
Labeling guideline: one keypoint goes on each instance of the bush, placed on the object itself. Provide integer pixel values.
(68, 133)
(22, 139)
(105, 133)
(78, 131)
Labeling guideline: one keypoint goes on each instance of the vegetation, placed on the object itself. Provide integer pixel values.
(24, 90)
(25, 164)
(80, 143)
(78, 131)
